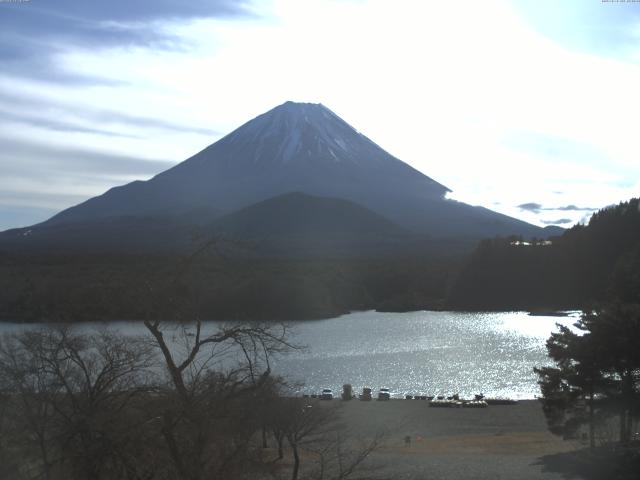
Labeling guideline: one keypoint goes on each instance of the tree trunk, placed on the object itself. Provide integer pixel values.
(626, 419)
(296, 462)
(45, 457)
(592, 440)
(174, 450)
(623, 424)
(264, 437)
(280, 449)
(630, 399)
(174, 371)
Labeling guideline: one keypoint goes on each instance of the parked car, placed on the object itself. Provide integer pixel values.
(384, 394)
(347, 391)
(327, 394)
(366, 394)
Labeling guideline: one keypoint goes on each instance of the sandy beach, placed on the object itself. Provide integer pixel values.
(497, 442)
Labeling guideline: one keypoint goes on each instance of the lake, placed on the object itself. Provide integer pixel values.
(423, 352)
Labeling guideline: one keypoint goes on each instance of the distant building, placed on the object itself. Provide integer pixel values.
(537, 243)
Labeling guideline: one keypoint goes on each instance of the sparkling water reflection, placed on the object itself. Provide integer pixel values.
(410, 353)
(423, 352)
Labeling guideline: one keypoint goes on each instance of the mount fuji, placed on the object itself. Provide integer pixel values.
(294, 148)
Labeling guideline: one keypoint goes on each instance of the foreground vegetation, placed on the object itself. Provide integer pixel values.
(593, 391)
(597, 376)
(106, 406)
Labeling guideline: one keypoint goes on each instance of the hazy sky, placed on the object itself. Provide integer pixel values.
(529, 108)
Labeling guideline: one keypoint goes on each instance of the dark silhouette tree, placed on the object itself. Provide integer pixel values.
(70, 400)
(597, 371)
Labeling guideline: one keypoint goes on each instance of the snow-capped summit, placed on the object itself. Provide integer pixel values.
(296, 147)
(306, 141)
(302, 131)
(300, 147)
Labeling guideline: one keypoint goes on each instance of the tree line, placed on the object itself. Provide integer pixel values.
(97, 287)
(595, 382)
(573, 271)
(239, 283)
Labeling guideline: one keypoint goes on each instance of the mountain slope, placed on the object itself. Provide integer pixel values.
(132, 234)
(300, 214)
(301, 225)
(299, 147)
(295, 147)
(294, 222)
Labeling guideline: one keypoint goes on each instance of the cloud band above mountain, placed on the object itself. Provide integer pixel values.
(537, 208)
(32, 34)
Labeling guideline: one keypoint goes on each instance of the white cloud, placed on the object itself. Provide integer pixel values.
(438, 84)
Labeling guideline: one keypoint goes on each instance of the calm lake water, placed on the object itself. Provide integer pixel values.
(411, 353)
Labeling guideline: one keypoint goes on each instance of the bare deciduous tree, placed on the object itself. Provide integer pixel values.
(317, 430)
(208, 421)
(68, 396)
(340, 456)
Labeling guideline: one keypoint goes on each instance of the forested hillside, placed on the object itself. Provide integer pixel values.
(572, 271)
(101, 287)
(231, 281)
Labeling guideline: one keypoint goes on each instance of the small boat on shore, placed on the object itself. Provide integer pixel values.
(441, 402)
(500, 401)
(475, 404)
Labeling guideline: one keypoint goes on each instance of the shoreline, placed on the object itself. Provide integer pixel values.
(530, 311)
(422, 352)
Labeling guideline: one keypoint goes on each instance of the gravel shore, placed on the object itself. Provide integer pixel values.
(497, 442)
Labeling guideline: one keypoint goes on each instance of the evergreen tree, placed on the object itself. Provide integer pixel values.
(597, 371)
